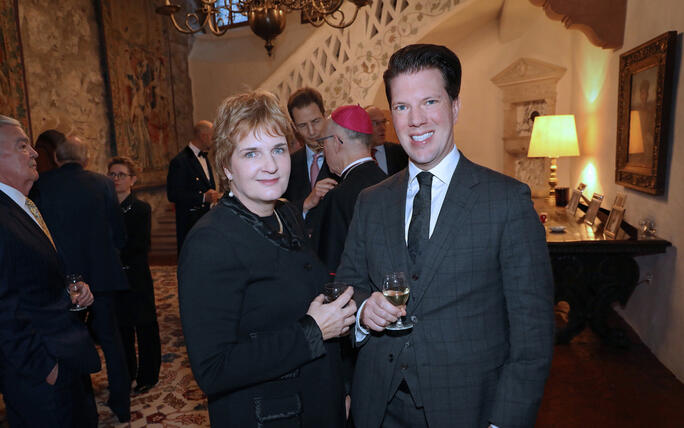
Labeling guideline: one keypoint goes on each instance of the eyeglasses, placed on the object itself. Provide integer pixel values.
(321, 140)
(118, 175)
(379, 122)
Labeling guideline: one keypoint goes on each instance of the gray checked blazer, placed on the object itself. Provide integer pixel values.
(482, 303)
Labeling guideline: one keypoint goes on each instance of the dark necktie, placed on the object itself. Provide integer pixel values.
(419, 228)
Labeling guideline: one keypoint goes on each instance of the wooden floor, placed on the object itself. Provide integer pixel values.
(595, 385)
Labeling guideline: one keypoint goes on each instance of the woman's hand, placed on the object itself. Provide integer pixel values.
(334, 318)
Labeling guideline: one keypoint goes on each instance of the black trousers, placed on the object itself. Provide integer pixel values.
(402, 412)
(34, 403)
(145, 368)
(104, 326)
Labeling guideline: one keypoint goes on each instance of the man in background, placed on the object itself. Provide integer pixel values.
(190, 183)
(81, 210)
(391, 157)
(310, 177)
(347, 147)
(46, 354)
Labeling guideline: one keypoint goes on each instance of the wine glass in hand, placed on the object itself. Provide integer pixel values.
(333, 290)
(396, 290)
(74, 288)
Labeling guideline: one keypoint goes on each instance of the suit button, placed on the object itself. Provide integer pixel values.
(407, 345)
(308, 266)
(414, 319)
(404, 366)
(414, 277)
(391, 357)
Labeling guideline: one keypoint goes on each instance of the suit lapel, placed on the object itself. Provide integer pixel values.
(458, 202)
(17, 212)
(394, 210)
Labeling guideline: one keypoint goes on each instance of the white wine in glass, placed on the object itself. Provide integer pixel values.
(396, 290)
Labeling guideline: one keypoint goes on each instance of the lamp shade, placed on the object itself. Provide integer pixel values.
(553, 137)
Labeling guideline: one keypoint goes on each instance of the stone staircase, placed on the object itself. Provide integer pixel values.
(346, 65)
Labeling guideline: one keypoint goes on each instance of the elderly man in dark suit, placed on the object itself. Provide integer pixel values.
(347, 148)
(190, 182)
(46, 354)
(310, 177)
(81, 209)
(391, 157)
(475, 258)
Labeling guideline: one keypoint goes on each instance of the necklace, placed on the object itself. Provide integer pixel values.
(280, 223)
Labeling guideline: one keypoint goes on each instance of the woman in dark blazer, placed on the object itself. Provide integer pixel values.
(137, 313)
(254, 321)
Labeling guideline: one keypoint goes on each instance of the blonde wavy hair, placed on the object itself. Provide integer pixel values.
(241, 114)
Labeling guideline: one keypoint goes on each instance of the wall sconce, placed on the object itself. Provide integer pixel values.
(552, 137)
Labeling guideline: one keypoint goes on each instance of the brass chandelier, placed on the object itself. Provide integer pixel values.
(266, 18)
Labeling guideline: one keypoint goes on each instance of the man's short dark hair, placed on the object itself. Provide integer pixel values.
(415, 58)
(302, 97)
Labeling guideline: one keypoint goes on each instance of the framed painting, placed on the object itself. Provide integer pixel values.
(138, 70)
(644, 105)
(13, 91)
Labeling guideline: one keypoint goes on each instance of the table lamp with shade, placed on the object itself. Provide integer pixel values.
(553, 136)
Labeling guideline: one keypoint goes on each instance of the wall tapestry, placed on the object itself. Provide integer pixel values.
(138, 70)
(13, 95)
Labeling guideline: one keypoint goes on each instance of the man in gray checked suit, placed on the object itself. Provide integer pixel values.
(475, 256)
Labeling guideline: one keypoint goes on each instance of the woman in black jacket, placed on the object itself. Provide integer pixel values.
(254, 321)
(137, 314)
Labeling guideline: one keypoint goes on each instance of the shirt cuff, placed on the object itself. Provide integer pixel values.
(360, 332)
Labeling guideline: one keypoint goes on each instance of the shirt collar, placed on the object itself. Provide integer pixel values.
(353, 164)
(443, 170)
(14, 194)
(194, 149)
(310, 154)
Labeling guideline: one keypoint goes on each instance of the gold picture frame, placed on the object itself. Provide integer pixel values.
(614, 222)
(593, 209)
(644, 105)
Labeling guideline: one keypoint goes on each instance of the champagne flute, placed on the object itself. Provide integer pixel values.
(396, 290)
(74, 290)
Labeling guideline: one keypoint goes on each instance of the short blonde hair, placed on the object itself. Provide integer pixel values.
(241, 114)
(125, 161)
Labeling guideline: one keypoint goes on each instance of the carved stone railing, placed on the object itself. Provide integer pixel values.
(346, 65)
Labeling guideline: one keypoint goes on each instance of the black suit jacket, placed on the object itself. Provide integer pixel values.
(37, 328)
(186, 184)
(299, 185)
(337, 209)
(396, 158)
(137, 305)
(82, 212)
(243, 294)
(482, 304)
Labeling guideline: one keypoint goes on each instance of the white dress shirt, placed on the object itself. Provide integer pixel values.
(202, 160)
(381, 157)
(18, 198)
(309, 160)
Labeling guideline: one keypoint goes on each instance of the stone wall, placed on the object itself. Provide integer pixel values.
(66, 88)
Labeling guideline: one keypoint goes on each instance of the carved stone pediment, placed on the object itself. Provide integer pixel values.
(527, 70)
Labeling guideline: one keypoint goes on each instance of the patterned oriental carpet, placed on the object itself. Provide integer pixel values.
(176, 401)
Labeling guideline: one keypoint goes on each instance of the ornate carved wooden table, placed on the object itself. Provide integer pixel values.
(592, 272)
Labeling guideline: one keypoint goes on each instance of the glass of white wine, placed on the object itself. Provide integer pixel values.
(395, 288)
(74, 290)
